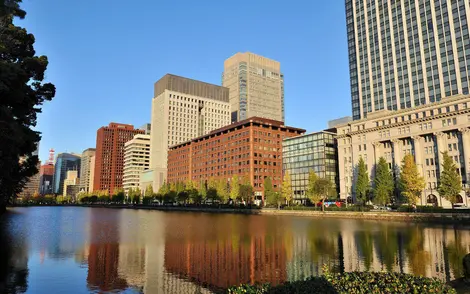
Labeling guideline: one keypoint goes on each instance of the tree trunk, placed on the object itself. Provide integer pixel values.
(323, 205)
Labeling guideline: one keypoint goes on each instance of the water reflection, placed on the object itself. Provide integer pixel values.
(80, 250)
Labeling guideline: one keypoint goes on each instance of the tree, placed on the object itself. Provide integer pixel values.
(450, 182)
(194, 196)
(203, 189)
(383, 182)
(22, 93)
(323, 187)
(411, 183)
(183, 197)
(286, 190)
(148, 191)
(164, 189)
(272, 198)
(222, 191)
(234, 187)
(119, 196)
(212, 194)
(246, 192)
(362, 182)
(311, 191)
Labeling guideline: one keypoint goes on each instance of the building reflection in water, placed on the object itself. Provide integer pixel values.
(103, 253)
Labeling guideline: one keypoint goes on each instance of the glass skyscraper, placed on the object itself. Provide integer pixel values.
(406, 53)
(64, 163)
(317, 152)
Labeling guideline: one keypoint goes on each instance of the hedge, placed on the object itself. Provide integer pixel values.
(353, 283)
(331, 208)
(431, 209)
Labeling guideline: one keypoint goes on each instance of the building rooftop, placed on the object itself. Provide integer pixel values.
(190, 87)
(246, 122)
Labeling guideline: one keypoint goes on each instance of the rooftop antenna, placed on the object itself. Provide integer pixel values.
(51, 156)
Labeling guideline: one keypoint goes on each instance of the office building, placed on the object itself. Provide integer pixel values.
(147, 128)
(32, 185)
(92, 173)
(64, 162)
(71, 184)
(256, 87)
(249, 149)
(86, 169)
(183, 109)
(109, 155)
(136, 160)
(312, 152)
(46, 175)
(425, 131)
(404, 54)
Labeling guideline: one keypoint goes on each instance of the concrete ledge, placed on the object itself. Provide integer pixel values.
(393, 216)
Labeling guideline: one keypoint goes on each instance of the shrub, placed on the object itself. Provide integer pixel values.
(353, 283)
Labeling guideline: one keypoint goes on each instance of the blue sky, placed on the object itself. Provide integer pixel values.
(105, 56)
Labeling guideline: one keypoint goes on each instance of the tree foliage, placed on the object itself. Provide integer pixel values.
(149, 191)
(234, 187)
(311, 192)
(450, 182)
(411, 183)
(246, 192)
(286, 190)
(272, 198)
(383, 182)
(22, 92)
(362, 181)
(222, 190)
(323, 187)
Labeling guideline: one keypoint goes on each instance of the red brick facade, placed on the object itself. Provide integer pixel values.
(251, 148)
(109, 160)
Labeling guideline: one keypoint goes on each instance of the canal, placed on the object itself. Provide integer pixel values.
(83, 250)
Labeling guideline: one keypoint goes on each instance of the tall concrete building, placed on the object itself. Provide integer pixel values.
(109, 156)
(71, 184)
(64, 162)
(256, 87)
(183, 109)
(403, 54)
(136, 160)
(85, 169)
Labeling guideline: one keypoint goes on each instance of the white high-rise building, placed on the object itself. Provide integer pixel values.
(86, 169)
(403, 54)
(183, 109)
(136, 160)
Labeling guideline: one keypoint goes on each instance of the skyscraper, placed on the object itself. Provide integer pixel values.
(109, 158)
(64, 163)
(85, 169)
(403, 54)
(256, 87)
(183, 109)
(46, 174)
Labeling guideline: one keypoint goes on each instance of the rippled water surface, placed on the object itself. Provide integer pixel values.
(83, 250)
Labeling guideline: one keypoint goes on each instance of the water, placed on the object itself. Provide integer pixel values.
(83, 250)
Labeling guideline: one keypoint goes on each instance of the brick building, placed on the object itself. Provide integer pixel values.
(109, 157)
(250, 148)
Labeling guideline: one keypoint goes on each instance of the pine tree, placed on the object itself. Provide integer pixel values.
(22, 92)
(286, 190)
(383, 182)
(411, 183)
(362, 181)
(450, 182)
(311, 192)
(148, 191)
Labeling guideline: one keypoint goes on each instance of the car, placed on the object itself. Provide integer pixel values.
(381, 207)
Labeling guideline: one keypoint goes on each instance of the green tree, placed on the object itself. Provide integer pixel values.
(173, 186)
(311, 192)
(450, 182)
(119, 196)
(383, 182)
(137, 195)
(22, 92)
(212, 194)
(203, 189)
(164, 189)
(286, 189)
(362, 182)
(222, 191)
(148, 191)
(323, 187)
(246, 192)
(179, 187)
(411, 183)
(272, 198)
(234, 187)
(183, 197)
(194, 196)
